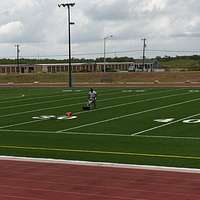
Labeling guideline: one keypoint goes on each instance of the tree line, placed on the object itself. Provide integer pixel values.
(5, 61)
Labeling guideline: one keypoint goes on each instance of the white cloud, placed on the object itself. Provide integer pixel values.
(165, 23)
(10, 31)
(153, 5)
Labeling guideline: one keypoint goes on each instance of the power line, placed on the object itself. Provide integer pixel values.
(109, 52)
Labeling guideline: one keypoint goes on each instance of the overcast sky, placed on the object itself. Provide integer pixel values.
(40, 27)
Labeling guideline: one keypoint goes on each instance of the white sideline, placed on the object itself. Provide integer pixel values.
(163, 125)
(128, 115)
(101, 164)
(168, 137)
(82, 112)
(102, 134)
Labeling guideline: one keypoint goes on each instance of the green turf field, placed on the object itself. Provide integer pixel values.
(122, 129)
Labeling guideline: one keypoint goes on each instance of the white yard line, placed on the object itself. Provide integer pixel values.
(15, 98)
(52, 101)
(43, 102)
(108, 107)
(134, 102)
(37, 110)
(67, 133)
(129, 115)
(168, 137)
(50, 108)
(56, 94)
(22, 123)
(31, 98)
(163, 125)
(59, 93)
(103, 134)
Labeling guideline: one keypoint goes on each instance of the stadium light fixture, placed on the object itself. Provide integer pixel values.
(104, 52)
(69, 5)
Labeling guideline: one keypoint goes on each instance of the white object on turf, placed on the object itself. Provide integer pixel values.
(164, 120)
(72, 117)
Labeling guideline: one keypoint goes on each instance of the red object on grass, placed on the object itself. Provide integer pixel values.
(69, 114)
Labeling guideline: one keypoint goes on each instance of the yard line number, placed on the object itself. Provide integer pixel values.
(186, 121)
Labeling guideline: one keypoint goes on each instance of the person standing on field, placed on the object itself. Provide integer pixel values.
(92, 95)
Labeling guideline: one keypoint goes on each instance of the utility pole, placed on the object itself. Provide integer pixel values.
(17, 52)
(143, 56)
(69, 5)
(104, 51)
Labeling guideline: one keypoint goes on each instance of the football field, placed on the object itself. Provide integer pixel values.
(136, 126)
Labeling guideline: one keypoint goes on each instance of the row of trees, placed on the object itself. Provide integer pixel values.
(101, 59)
(168, 58)
(74, 60)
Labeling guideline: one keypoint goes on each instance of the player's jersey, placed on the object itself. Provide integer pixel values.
(92, 95)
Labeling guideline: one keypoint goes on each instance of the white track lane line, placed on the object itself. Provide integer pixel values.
(100, 164)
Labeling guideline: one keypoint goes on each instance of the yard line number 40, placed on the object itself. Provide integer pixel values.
(186, 121)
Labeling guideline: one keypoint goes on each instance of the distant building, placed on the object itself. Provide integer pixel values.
(149, 66)
(14, 69)
(62, 67)
(79, 67)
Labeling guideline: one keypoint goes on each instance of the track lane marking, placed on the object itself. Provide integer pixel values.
(99, 164)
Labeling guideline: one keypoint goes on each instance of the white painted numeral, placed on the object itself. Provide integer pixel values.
(164, 120)
(192, 121)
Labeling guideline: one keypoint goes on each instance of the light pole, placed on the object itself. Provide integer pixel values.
(104, 51)
(143, 56)
(17, 52)
(69, 5)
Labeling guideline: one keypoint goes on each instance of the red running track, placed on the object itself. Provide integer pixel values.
(20, 180)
